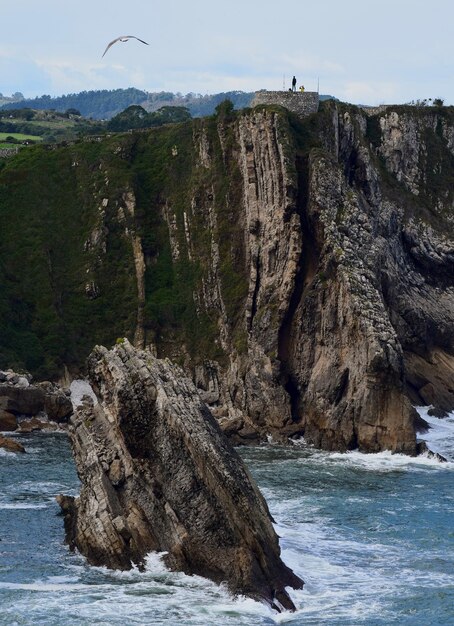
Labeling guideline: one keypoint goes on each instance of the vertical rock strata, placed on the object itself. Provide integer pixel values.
(300, 269)
(346, 324)
(158, 475)
(374, 331)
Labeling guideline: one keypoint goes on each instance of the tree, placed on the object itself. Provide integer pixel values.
(134, 116)
(438, 102)
(169, 115)
(73, 112)
(224, 110)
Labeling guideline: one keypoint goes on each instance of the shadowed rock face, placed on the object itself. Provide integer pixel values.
(158, 475)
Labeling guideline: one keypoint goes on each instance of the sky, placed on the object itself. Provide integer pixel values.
(392, 51)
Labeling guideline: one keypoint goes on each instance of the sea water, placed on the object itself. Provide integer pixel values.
(372, 536)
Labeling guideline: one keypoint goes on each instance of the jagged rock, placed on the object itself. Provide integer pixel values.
(34, 423)
(11, 445)
(158, 474)
(423, 449)
(21, 400)
(57, 404)
(347, 324)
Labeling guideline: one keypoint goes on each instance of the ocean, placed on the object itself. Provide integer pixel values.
(372, 536)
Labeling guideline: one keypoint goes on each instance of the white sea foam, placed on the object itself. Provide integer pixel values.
(440, 436)
(382, 462)
(7, 453)
(21, 505)
(43, 586)
(389, 462)
(80, 388)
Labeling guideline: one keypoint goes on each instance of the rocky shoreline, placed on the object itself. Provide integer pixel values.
(26, 406)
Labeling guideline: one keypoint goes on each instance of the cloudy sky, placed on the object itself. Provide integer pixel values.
(389, 51)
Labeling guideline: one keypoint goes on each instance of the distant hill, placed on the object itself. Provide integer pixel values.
(198, 105)
(105, 104)
(16, 97)
(101, 104)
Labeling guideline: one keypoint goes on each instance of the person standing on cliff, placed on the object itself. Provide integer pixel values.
(294, 83)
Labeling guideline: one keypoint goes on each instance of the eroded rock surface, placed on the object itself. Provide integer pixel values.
(158, 475)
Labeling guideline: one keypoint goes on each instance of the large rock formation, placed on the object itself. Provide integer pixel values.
(158, 474)
(301, 269)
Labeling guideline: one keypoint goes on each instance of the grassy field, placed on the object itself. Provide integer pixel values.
(19, 137)
(57, 123)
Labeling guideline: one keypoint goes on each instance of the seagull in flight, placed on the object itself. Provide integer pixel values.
(123, 38)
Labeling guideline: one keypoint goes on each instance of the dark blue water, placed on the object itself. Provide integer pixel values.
(372, 536)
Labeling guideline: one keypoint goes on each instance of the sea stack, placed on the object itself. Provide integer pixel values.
(158, 474)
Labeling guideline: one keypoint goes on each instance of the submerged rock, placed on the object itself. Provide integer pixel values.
(9, 444)
(158, 475)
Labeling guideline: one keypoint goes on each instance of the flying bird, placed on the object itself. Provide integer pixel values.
(123, 38)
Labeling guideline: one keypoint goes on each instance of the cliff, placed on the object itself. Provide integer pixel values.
(299, 269)
(158, 475)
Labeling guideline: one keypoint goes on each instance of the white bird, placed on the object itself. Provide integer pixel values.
(123, 38)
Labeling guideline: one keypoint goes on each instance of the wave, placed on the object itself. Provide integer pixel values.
(21, 505)
(80, 388)
(440, 436)
(381, 462)
(388, 461)
(8, 453)
(43, 586)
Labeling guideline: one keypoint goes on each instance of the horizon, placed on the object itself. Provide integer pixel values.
(421, 101)
(396, 53)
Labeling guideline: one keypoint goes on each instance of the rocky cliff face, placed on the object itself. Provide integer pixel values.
(347, 324)
(299, 269)
(158, 474)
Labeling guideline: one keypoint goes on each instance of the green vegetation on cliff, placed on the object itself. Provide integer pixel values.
(68, 277)
(80, 220)
(48, 208)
